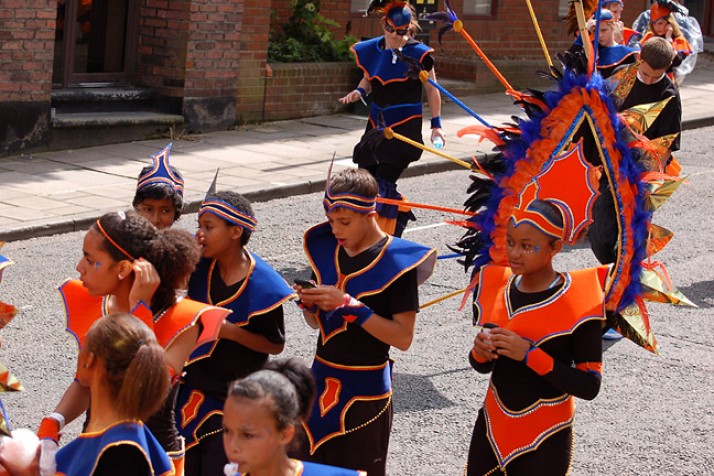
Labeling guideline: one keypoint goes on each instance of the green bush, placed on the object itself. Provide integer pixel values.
(306, 37)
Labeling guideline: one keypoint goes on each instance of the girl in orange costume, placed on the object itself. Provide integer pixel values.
(536, 323)
(664, 25)
(130, 266)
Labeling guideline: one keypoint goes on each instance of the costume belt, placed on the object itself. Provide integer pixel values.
(338, 387)
(394, 115)
(513, 433)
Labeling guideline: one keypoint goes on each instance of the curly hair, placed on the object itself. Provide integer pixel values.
(173, 252)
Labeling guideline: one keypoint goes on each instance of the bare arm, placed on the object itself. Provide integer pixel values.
(433, 97)
(178, 352)
(74, 402)
(251, 340)
(355, 95)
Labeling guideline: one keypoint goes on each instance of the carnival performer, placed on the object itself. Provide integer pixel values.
(125, 370)
(130, 266)
(363, 300)
(648, 84)
(688, 25)
(260, 419)
(611, 54)
(396, 102)
(663, 25)
(159, 191)
(231, 276)
(541, 343)
(628, 36)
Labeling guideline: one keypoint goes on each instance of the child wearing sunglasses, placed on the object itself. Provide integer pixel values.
(396, 103)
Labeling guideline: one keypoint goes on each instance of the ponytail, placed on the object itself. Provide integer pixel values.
(136, 371)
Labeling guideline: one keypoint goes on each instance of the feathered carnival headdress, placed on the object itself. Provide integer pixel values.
(536, 153)
(161, 173)
(225, 210)
(8, 382)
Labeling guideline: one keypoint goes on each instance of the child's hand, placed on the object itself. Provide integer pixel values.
(509, 344)
(483, 349)
(146, 282)
(668, 32)
(326, 298)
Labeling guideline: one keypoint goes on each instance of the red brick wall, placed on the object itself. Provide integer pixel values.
(307, 89)
(252, 59)
(27, 33)
(163, 33)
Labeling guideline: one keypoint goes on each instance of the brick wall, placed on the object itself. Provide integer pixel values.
(27, 29)
(307, 89)
(252, 61)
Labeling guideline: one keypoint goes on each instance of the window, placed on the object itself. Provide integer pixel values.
(478, 7)
(563, 6)
(358, 6)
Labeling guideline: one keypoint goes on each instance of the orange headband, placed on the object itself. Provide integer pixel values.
(114, 243)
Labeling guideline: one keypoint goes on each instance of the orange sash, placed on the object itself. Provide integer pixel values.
(513, 433)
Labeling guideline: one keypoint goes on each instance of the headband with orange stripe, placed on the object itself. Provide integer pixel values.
(525, 213)
(161, 173)
(229, 213)
(113, 242)
(351, 201)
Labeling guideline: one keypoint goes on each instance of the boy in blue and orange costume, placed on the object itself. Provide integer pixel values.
(396, 102)
(365, 300)
(159, 191)
(541, 342)
(630, 37)
(231, 276)
(611, 54)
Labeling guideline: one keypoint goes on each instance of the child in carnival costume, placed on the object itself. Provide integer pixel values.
(364, 301)
(159, 191)
(396, 101)
(231, 276)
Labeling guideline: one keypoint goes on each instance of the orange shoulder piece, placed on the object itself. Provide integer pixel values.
(186, 313)
(81, 309)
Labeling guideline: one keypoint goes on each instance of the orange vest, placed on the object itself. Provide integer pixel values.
(580, 299)
(82, 309)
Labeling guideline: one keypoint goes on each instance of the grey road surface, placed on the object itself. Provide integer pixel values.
(653, 415)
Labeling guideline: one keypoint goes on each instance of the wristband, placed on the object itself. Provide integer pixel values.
(50, 427)
(353, 311)
(361, 91)
(436, 122)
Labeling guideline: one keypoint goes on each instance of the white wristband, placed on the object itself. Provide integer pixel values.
(57, 417)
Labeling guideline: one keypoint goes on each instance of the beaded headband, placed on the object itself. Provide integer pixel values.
(161, 173)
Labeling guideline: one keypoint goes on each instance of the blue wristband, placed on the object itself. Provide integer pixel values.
(361, 91)
(436, 122)
(353, 311)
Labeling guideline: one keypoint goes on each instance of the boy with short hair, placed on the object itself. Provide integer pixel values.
(230, 276)
(365, 300)
(653, 85)
(159, 191)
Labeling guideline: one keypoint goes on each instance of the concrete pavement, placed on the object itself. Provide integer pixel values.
(62, 191)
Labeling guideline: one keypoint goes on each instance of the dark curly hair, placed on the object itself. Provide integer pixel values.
(174, 253)
(240, 203)
(159, 191)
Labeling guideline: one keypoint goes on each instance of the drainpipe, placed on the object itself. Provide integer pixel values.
(268, 75)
